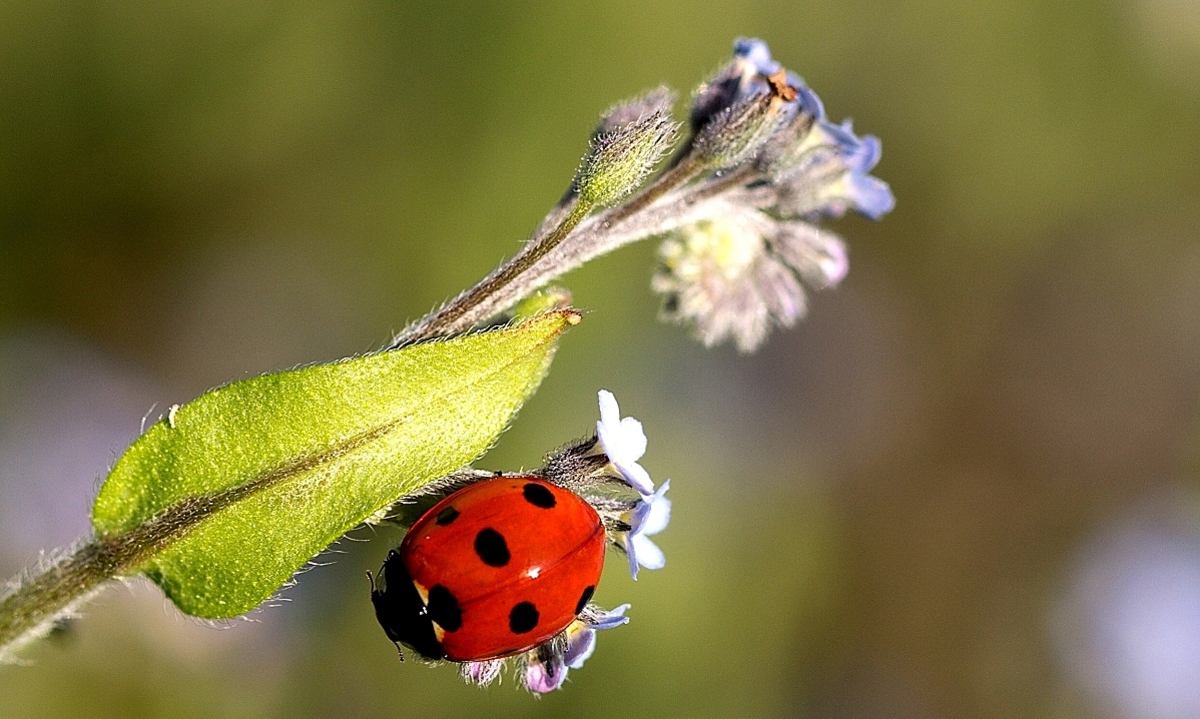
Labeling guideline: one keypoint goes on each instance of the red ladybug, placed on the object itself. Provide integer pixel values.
(492, 570)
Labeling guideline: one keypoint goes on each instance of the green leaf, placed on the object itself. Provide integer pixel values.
(253, 479)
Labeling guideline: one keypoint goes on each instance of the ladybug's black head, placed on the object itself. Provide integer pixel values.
(400, 610)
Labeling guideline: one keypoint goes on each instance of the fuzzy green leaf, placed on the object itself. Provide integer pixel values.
(255, 478)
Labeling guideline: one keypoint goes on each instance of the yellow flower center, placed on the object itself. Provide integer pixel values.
(725, 245)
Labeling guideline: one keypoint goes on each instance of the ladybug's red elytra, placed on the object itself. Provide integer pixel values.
(493, 570)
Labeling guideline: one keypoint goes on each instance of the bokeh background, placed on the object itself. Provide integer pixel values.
(965, 487)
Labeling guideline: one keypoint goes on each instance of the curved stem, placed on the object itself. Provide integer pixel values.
(463, 312)
(508, 283)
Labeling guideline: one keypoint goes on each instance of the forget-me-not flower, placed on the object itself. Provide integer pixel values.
(624, 442)
(544, 674)
(735, 270)
(649, 516)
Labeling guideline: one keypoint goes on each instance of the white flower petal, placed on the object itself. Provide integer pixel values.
(660, 511)
(608, 439)
(648, 554)
(633, 439)
(624, 442)
(610, 413)
(631, 554)
(637, 477)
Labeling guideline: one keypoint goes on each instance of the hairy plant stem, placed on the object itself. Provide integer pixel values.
(456, 314)
(30, 607)
(510, 282)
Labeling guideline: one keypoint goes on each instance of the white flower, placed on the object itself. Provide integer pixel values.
(624, 442)
(649, 516)
(737, 275)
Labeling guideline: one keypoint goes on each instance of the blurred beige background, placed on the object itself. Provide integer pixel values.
(965, 487)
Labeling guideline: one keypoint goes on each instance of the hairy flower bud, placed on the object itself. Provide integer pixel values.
(619, 159)
(735, 133)
(739, 79)
(660, 100)
(738, 132)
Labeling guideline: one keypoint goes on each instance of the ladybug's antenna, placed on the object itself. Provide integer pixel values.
(371, 579)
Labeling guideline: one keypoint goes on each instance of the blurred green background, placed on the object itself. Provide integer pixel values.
(965, 487)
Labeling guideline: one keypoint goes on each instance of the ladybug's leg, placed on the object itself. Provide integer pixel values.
(613, 512)
(551, 650)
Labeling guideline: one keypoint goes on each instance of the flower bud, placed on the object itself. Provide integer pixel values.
(740, 131)
(619, 159)
(736, 133)
(659, 100)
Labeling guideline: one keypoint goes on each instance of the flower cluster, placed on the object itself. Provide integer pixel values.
(736, 271)
(740, 203)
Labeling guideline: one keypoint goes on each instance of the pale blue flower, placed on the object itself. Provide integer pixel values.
(828, 173)
(832, 164)
(650, 516)
(867, 194)
(734, 271)
(545, 676)
(581, 636)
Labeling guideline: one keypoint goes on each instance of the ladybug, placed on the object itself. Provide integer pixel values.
(494, 569)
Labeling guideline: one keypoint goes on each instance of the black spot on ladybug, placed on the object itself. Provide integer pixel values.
(446, 516)
(585, 598)
(523, 618)
(443, 608)
(491, 548)
(538, 496)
